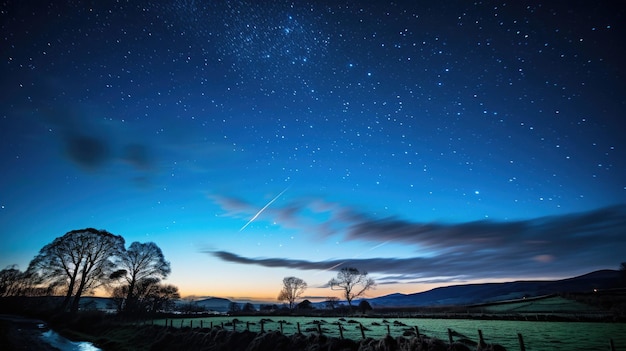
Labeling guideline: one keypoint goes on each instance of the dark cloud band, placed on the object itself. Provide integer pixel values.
(550, 246)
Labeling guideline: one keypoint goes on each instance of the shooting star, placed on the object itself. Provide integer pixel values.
(263, 209)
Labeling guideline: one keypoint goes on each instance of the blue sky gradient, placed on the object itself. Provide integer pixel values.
(427, 143)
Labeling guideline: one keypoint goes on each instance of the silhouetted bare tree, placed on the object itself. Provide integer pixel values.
(118, 295)
(149, 296)
(352, 282)
(12, 281)
(79, 262)
(141, 261)
(292, 289)
(159, 297)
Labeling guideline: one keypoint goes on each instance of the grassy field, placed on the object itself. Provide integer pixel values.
(537, 335)
(553, 305)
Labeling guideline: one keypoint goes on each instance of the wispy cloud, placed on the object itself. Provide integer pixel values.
(548, 246)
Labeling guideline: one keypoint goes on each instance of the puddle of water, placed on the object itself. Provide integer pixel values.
(56, 340)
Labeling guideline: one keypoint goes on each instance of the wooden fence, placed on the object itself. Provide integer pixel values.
(318, 329)
(232, 325)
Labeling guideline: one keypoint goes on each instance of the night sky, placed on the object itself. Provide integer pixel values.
(428, 143)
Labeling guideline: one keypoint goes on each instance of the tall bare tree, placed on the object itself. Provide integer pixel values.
(292, 289)
(140, 262)
(79, 261)
(352, 282)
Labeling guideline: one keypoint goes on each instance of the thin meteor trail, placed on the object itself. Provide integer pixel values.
(263, 209)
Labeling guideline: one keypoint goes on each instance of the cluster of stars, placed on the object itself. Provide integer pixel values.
(494, 96)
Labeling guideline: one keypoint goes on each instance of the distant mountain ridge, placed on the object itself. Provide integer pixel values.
(469, 294)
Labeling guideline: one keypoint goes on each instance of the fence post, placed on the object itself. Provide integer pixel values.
(262, 326)
(234, 326)
(280, 324)
(319, 328)
(522, 347)
(166, 322)
(611, 344)
(481, 341)
(417, 332)
(171, 323)
(181, 322)
(362, 330)
(388, 330)
(191, 323)
(340, 331)
(201, 324)
(299, 332)
(450, 336)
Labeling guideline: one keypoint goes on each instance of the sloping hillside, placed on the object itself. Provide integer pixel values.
(482, 293)
(550, 304)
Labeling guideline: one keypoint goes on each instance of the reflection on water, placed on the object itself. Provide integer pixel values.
(55, 340)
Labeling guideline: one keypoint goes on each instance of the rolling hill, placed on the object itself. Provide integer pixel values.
(482, 293)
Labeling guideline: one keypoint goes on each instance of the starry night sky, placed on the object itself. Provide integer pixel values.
(428, 143)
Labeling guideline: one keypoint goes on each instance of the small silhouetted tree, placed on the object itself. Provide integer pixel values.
(79, 262)
(150, 296)
(161, 297)
(13, 282)
(364, 306)
(622, 273)
(352, 283)
(118, 295)
(292, 289)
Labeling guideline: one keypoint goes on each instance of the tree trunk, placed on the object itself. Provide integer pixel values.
(129, 306)
(70, 290)
(81, 287)
(66, 301)
(76, 301)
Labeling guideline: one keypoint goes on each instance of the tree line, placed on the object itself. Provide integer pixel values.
(83, 260)
(350, 281)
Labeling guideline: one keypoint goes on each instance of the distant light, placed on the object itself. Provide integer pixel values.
(476, 192)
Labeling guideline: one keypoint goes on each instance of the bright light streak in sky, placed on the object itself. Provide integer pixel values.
(263, 209)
